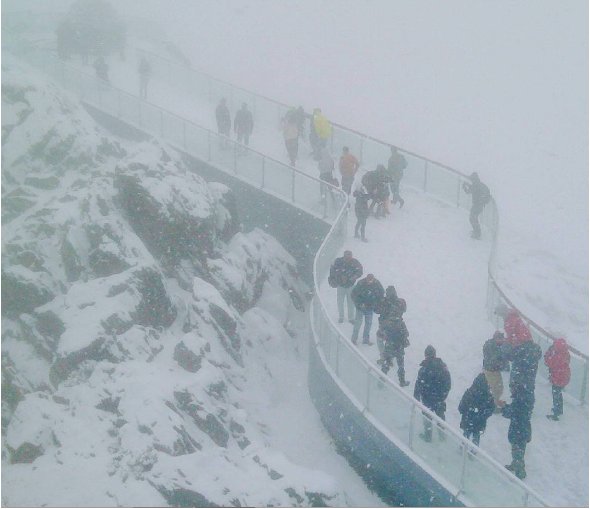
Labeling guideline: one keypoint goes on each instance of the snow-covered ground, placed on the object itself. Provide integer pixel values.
(458, 114)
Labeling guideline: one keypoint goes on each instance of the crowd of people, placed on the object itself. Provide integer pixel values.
(512, 350)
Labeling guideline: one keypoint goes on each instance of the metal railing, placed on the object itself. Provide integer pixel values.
(469, 473)
(433, 178)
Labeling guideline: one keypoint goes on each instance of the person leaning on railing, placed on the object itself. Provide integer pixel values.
(480, 196)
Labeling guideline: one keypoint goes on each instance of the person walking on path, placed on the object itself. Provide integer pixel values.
(519, 411)
(348, 166)
(391, 306)
(557, 360)
(243, 124)
(343, 275)
(480, 196)
(223, 118)
(291, 136)
(395, 169)
(476, 406)
(102, 69)
(393, 338)
(361, 210)
(145, 72)
(320, 131)
(432, 388)
(366, 294)
(496, 352)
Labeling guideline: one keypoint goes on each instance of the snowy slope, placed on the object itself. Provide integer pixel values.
(131, 376)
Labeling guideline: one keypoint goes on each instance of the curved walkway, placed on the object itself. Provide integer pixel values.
(443, 326)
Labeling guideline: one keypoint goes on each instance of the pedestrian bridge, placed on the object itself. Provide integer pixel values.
(373, 422)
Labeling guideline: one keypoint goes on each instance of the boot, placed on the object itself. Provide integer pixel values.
(553, 417)
(404, 383)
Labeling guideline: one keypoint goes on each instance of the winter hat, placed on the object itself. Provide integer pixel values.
(430, 352)
(390, 291)
(474, 176)
(498, 335)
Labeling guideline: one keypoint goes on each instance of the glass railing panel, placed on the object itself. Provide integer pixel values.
(374, 153)
(199, 85)
(278, 179)
(444, 454)
(219, 90)
(224, 153)
(353, 373)
(197, 141)
(173, 129)
(250, 165)
(268, 114)
(442, 183)
(391, 408)
(343, 138)
(151, 119)
(108, 100)
(306, 195)
(486, 485)
(414, 172)
(130, 109)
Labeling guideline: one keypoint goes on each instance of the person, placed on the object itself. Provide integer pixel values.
(475, 407)
(395, 169)
(480, 196)
(377, 183)
(495, 360)
(432, 388)
(223, 118)
(298, 117)
(145, 71)
(367, 292)
(243, 124)
(348, 166)
(320, 131)
(343, 275)
(393, 338)
(557, 360)
(524, 353)
(519, 411)
(102, 69)
(291, 136)
(361, 210)
(391, 306)
(326, 167)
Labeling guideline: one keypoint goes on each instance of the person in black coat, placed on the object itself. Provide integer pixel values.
(476, 406)
(519, 411)
(343, 275)
(361, 209)
(366, 294)
(391, 306)
(392, 337)
(480, 196)
(223, 118)
(432, 388)
(525, 358)
(243, 124)
(395, 169)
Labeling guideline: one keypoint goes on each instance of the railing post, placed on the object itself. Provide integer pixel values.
(462, 479)
(361, 150)
(263, 172)
(411, 430)
(425, 175)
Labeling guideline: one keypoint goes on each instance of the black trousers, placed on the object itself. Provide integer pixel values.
(556, 392)
(476, 210)
(361, 223)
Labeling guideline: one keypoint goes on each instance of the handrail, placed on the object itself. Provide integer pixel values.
(338, 229)
(582, 394)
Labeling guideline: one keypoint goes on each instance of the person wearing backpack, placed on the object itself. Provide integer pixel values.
(392, 337)
(366, 294)
(343, 275)
(432, 388)
(476, 406)
(480, 197)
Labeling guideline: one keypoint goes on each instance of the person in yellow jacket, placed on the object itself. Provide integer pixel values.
(320, 131)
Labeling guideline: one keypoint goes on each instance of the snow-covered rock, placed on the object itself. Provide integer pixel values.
(134, 312)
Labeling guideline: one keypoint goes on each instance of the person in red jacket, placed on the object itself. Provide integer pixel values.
(515, 329)
(557, 359)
